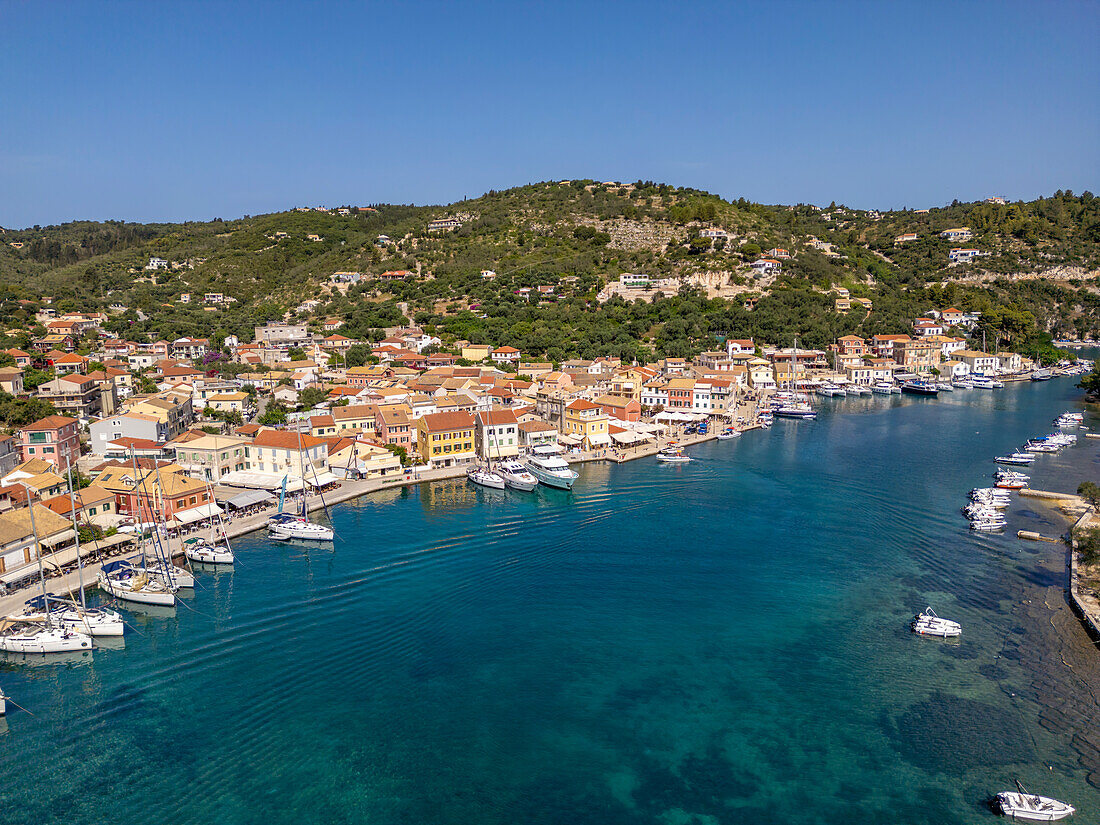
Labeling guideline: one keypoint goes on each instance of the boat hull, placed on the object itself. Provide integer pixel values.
(523, 485)
(122, 591)
(209, 555)
(551, 480)
(46, 641)
(290, 531)
(1019, 806)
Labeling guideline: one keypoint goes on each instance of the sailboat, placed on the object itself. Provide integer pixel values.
(69, 613)
(131, 579)
(283, 526)
(216, 550)
(46, 637)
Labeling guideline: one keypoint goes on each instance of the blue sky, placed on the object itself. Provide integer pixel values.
(166, 111)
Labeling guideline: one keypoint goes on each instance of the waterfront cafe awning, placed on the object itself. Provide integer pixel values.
(263, 481)
(247, 499)
(627, 438)
(321, 479)
(203, 511)
(671, 415)
(599, 439)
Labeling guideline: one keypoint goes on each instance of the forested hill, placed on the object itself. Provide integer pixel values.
(575, 236)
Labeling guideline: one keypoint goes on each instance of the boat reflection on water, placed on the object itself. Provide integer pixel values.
(151, 611)
(110, 643)
(75, 658)
(303, 544)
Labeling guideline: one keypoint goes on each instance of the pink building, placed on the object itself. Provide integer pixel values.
(53, 438)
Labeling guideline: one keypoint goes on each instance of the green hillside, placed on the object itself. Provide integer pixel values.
(575, 236)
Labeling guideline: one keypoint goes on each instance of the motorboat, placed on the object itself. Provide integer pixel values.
(33, 637)
(551, 470)
(883, 388)
(795, 410)
(858, 389)
(283, 526)
(927, 623)
(729, 432)
(1020, 459)
(123, 581)
(962, 383)
(205, 552)
(69, 614)
(1039, 446)
(997, 383)
(918, 387)
(945, 386)
(829, 391)
(516, 476)
(989, 525)
(1010, 481)
(1020, 804)
(485, 478)
(1041, 375)
(981, 382)
(673, 454)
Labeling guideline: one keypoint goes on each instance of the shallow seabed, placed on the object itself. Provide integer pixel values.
(724, 641)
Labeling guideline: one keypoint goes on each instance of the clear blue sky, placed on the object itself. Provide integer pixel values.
(170, 111)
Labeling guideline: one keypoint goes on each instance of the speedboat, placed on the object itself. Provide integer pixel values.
(32, 637)
(927, 623)
(485, 478)
(70, 615)
(1020, 804)
(1007, 480)
(204, 552)
(123, 581)
(1039, 446)
(515, 475)
(551, 470)
(729, 432)
(1015, 459)
(282, 526)
(990, 524)
(673, 454)
(918, 387)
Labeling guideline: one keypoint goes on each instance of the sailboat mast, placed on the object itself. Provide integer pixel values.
(76, 532)
(137, 509)
(38, 553)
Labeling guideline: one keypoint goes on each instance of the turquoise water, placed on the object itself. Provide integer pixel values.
(724, 641)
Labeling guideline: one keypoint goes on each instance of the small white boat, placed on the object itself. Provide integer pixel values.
(1020, 804)
(980, 382)
(989, 525)
(927, 623)
(202, 551)
(945, 386)
(485, 478)
(19, 637)
(728, 433)
(673, 454)
(515, 475)
(962, 384)
(883, 388)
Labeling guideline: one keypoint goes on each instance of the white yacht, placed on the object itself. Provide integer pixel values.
(673, 454)
(485, 478)
(205, 552)
(1020, 804)
(883, 388)
(23, 637)
(927, 623)
(550, 469)
(1015, 459)
(962, 383)
(123, 581)
(70, 615)
(515, 475)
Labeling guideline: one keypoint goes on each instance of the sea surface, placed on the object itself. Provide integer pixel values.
(721, 642)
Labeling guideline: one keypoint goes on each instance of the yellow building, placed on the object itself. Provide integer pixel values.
(228, 402)
(586, 423)
(446, 439)
(476, 352)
